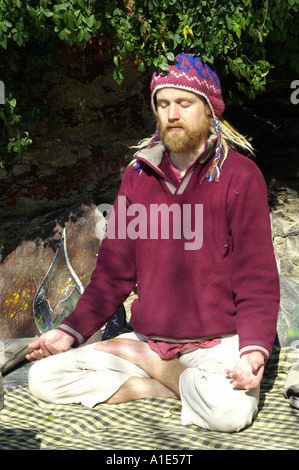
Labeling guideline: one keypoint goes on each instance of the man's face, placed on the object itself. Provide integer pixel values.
(184, 120)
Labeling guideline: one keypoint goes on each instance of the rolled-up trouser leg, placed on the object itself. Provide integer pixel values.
(209, 400)
(83, 375)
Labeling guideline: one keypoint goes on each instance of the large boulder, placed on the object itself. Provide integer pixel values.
(40, 281)
(285, 231)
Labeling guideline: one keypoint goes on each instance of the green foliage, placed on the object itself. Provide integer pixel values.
(243, 39)
(18, 140)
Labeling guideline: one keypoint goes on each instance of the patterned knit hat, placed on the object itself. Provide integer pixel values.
(191, 74)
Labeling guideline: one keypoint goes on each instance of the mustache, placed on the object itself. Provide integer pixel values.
(173, 124)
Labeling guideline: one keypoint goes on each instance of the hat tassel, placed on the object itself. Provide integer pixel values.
(214, 172)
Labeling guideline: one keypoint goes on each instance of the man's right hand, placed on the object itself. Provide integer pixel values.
(50, 343)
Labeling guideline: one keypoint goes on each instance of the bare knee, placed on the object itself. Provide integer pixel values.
(140, 387)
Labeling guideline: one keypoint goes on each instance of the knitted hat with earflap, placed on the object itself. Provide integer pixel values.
(191, 74)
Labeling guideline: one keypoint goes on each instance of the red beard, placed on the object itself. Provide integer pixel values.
(184, 140)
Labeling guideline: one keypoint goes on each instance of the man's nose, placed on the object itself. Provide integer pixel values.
(173, 112)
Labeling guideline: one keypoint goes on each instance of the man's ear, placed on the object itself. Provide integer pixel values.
(207, 109)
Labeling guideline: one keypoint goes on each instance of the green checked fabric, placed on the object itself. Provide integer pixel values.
(148, 424)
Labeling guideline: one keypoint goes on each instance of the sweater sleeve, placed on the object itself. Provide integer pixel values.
(255, 278)
(112, 280)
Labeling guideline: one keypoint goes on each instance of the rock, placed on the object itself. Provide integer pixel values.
(12, 352)
(23, 272)
(289, 299)
(80, 149)
(285, 230)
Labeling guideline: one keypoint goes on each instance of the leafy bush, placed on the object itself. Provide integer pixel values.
(243, 39)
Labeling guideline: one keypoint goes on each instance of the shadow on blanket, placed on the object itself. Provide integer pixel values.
(270, 375)
(18, 439)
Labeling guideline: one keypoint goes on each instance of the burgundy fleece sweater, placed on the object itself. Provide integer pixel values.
(222, 281)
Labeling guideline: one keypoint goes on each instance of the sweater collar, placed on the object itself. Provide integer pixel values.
(153, 156)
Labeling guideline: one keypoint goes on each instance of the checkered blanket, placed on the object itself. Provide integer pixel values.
(148, 424)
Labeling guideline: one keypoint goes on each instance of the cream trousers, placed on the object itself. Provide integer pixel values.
(209, 400)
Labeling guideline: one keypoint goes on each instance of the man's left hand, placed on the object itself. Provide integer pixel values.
(248, 372)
